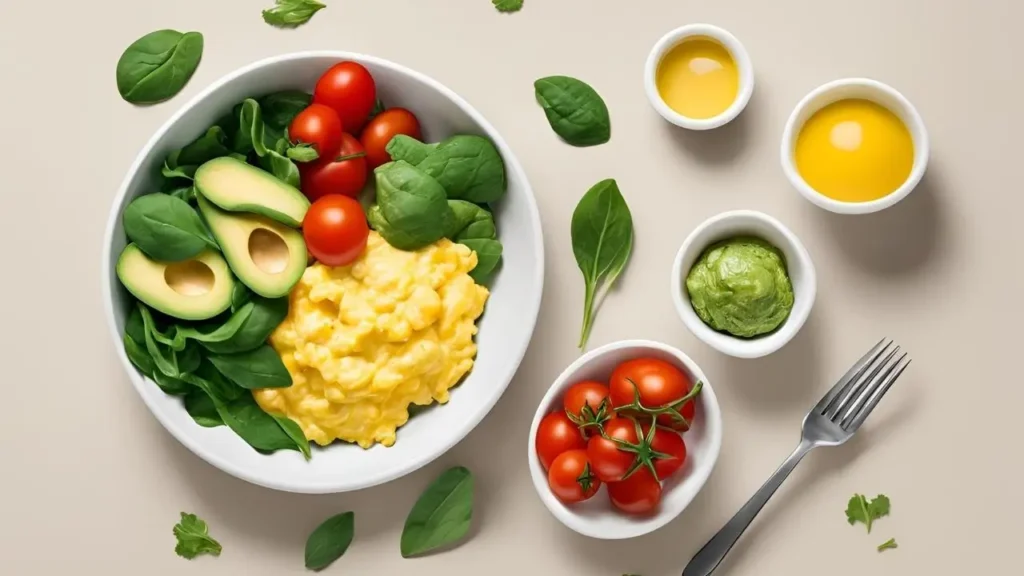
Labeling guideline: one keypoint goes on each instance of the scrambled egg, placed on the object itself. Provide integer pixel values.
(363, 342)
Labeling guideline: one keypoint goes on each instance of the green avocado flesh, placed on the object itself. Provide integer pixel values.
(266, 256)
(740, 286)
(235, 186)
(195, 289)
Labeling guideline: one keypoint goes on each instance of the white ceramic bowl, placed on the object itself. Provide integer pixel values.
(596, 517)
(798, 263)
(735, 48)
(505, 328)
(867, 89)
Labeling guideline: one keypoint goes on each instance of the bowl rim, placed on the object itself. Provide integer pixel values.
(727, 343)
(916, 126)
(712, 415)
(532, 308)
(673, 38)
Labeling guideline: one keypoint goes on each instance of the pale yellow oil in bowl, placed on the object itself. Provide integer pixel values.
(854, 150)
(698, 78)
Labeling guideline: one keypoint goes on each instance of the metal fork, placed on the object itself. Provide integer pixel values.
(833, 421)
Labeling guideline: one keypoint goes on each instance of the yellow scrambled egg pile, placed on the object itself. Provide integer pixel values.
(363, 342)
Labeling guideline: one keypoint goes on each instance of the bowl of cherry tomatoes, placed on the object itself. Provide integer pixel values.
(624, 439)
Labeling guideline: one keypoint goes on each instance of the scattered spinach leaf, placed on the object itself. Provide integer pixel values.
(165, 228)
(442, 515)
(330, 540)
(201, 408)
(259, 368)
(488, 255)
(602, 239)
(887, 545)
(860, 509)
(411, 207)
(193, 537)
(158, 65)
(508, 6)
(265, 316)
(291, 13)
(575, 111)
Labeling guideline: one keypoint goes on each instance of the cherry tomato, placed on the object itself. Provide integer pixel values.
(349, 89)
(638, 494)
(383, 128)
(570, 477)
(587, 405)
(669, 442)
(335, 230)
(320, 126)
(610, 463)
(557, 434)
(659, 384)
(333, 176)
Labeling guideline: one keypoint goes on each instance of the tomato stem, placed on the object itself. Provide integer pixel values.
(590, 418)
(672, 409)
(645, 454)
(586, 478)
(350, 156)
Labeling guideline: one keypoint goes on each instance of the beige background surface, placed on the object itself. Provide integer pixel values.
(90, 479)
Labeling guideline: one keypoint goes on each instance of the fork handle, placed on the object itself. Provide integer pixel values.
(711, 555)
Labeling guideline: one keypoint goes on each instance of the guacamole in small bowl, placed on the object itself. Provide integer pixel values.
(740, 286)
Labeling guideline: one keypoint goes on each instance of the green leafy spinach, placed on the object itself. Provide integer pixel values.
(411, 209)
(291, 13)
(256, 327)
(330, 540)
(166, 228)
(467, 167)
(575, 111)
(259, 368)
(442, 515)
(158, 65)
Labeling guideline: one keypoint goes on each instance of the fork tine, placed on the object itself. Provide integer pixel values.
(851, 375)
(880, 391)
(871, 383)
(854, 393)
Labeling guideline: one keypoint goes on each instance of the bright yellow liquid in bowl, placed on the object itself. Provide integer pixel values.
(698, 78)
(854, 150)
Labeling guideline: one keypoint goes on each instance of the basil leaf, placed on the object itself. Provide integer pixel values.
(442, 515)
(330, 540)
(508, 6)
(240, 296)
(259, 368)
(281, 167)
(411, 207)
(488, 255)
(291, 13)
(165, 228)
(574, 110)
(280, 108)
(201, 408)
(469, 221)
(158, 65)
(467, 167)
(266, 315)
(223, 332)
(302, 153)
(602, 240)
(138, 356)
(294, 431)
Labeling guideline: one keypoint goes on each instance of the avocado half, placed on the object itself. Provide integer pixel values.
(195, 289)
(234, 186)
(265, 255)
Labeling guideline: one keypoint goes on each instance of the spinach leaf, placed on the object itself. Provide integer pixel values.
(402, 147)
(139, 356)
(291, 13)
(264, 317)
(170, 172)
(281, 167)
(442, 515)
(302, 152)
(186, 194)
(280, 108)
(467, 167)
(574, 110)
(469, 221)
(166, 361)
(330, 540)
(172, 386)
(134, 327)
(259, 368)
(292, 429)
(508, 6)
(240, 296)
(488, 255)
(165, 228)
(158, 65)
(411, 207)
(251, 135)
(221, 332)
(201, 408)
(602, 239)
(212, 144)
(259, 429)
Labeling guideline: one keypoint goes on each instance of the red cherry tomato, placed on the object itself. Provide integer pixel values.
(317, 125)
(333, 176)
(638, 494)
(383, 128)
(570, 477)
(670, 443)
(557, 434)
(335, 230)
(609, 462)
(587, 405)
(658, 383)
(349, 89)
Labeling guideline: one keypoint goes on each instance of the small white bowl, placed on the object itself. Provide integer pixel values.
(798, 263)
(866, 89)
(596, 517)
(674, 38)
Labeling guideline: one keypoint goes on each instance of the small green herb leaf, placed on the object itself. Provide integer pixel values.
(158, 65)
(291, 13)
(259, 368)
(302, 152)
(860, 509)
(888, 545)
(602, 240)
(194, 538)
(165, 228)
(330, 540)
(442, 515)
(575, 111)
(508, 5)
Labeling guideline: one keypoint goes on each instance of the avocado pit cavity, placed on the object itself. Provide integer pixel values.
(268, 251)
(189, 278)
